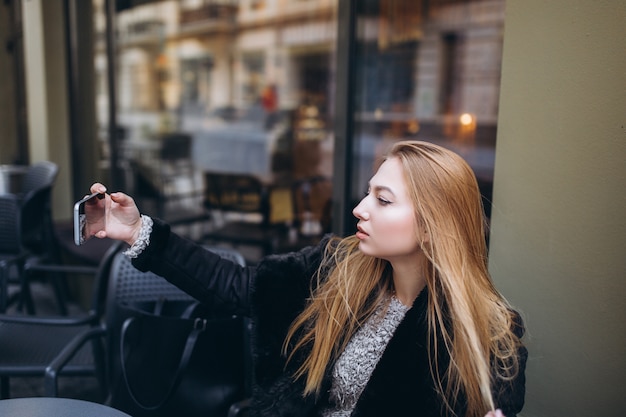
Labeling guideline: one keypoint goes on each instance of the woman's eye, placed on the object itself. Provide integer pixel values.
(381, 200)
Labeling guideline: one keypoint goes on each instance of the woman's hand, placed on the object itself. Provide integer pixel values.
(123, 220)
(496, 413)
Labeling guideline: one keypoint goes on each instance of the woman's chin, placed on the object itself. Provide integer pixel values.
(366, 249)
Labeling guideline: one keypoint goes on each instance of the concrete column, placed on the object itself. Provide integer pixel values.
(558, 241)
(47, 94)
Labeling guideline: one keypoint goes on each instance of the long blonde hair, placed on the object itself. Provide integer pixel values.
(466, 315)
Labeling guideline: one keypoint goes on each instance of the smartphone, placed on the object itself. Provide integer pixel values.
(89, 216)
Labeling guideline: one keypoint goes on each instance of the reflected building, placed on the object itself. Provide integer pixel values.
(194, 64)
(227, 70)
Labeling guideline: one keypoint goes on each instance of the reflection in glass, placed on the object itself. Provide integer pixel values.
(250, 81)
(428, 70)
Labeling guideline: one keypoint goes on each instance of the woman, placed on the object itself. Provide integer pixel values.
(399, 319)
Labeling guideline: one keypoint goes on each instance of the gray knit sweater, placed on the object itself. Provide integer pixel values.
(364, 350)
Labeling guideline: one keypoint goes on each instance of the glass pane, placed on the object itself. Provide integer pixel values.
(428, 70)
(228, 88)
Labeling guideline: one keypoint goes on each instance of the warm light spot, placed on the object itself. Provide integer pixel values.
(413, 127)
(466, 119)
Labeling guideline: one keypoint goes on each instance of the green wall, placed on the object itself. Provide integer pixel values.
(558, 242)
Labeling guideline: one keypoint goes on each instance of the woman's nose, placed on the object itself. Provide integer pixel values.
(359, 211)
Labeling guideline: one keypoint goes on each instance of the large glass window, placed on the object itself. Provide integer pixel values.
(248, 88)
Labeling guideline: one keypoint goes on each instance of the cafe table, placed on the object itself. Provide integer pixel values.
(55, 407)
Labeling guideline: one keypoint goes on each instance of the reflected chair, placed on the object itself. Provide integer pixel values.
(171, 184)
(242, 212)
(312, 205)
(130, 287)
(55, 346)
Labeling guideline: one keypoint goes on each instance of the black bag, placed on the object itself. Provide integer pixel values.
(176, 360)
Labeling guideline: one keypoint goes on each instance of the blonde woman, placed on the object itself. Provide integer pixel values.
(399, 319)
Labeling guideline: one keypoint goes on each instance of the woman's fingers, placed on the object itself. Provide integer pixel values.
(124, 200)
(121, 198)
(98, 188)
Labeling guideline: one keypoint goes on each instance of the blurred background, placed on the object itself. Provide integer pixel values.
(257, 124)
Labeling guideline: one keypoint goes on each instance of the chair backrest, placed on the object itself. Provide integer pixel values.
(10, 224)
(101, 274)
(36, 194)
(228, 253)
(36, 219)
(176, 147)
(101, 281)
(130, 285)
(40, 174)
(26, 219)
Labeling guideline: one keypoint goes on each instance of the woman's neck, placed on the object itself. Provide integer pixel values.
(409, 279)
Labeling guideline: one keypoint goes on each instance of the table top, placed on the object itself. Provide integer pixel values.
(55, 407)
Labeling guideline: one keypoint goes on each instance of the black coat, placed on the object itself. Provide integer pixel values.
(273, 294)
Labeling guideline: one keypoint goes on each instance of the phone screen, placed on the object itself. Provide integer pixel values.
(89, 217)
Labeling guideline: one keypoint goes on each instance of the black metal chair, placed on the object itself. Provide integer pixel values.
(131, 287)
(27, 221)
(170, 186)
(54, 346)
(12, 253)
(39, 174)
(36, 233)
(36, 193)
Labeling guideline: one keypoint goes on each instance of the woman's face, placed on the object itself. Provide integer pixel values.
(386, 227)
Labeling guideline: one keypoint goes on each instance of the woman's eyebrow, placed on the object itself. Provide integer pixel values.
(379, 188)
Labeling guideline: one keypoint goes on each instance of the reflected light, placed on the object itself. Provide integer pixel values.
(312, 111)
(466, 119)
(413, 127)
